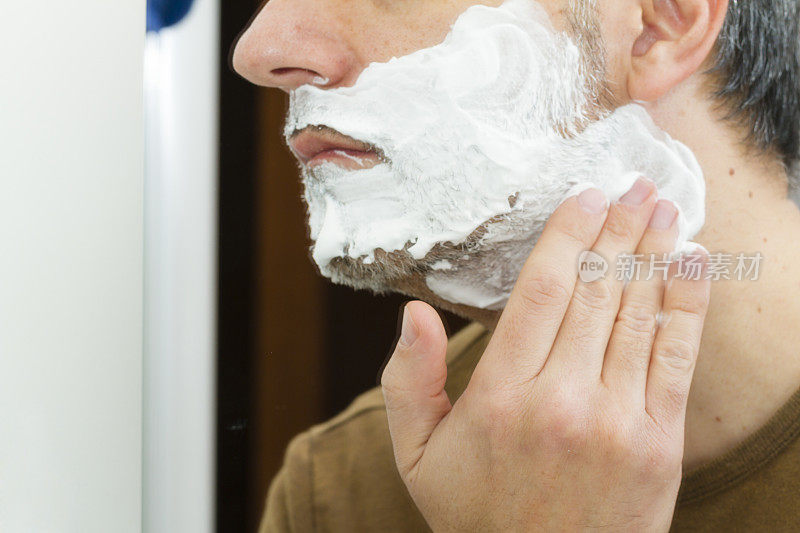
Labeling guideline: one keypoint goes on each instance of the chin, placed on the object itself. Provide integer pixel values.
(379, 276)
(398, 272)
(388, 272)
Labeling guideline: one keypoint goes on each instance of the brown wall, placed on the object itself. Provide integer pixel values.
(288, 384)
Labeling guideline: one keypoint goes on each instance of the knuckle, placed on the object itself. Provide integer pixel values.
(691, 303)
(544, 290)
(568, 433)
(673, 397)
(388, 378)
(677, 354)
(391, 381)
(649, 456)
(581, 337)
(575, 233)
(566, 424)
(626, 444)
(620, 229)
(691, 299)
(637, 319)
(391, 390)
(617, 437)
(595, 296)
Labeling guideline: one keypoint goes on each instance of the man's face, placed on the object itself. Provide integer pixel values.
(436, 138)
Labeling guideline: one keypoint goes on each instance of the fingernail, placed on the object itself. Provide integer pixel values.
(640, 191)
(664, 215)
(408, 331)
(593, 201)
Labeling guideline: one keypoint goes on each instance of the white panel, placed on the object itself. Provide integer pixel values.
(180, 258)
(71, 179)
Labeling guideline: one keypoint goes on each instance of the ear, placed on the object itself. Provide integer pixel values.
(677, 36)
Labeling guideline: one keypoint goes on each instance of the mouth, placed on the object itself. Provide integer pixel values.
(315, 145)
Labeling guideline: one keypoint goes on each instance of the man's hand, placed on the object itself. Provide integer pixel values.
(574, 416)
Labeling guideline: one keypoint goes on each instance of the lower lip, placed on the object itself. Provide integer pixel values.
(350, 159)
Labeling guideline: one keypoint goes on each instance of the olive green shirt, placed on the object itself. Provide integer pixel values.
(340, 476)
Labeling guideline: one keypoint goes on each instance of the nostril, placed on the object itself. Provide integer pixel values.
(294, 76)
(284, 71)
(281, 71)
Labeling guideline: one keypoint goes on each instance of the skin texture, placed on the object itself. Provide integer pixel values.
(574, 390)
(615, 442)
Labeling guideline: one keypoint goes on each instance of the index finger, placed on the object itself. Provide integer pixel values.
(529, 323)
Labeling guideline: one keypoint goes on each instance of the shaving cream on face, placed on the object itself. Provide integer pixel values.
(481, 132)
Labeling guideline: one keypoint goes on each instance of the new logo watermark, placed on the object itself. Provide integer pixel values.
(591, 266)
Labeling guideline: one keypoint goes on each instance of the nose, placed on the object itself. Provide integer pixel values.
(285, 47)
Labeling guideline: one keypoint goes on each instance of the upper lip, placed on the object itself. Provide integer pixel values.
(314, 140)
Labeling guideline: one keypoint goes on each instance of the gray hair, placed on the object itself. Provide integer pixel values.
(756, 75)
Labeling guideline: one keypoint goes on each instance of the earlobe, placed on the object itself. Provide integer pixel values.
(676, 38)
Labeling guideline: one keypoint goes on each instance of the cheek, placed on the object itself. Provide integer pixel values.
(557, 11)
(619, 28)
(393, 28)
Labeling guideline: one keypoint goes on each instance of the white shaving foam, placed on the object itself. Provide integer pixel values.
(465, 126)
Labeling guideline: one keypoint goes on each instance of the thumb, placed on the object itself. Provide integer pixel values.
(413, 384)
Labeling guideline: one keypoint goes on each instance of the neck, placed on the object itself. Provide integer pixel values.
(749, 361)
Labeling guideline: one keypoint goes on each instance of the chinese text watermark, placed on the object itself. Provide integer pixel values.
(635, 267)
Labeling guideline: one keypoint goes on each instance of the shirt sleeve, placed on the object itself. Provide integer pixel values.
(289, 500)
